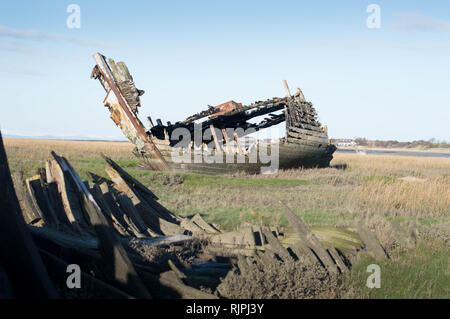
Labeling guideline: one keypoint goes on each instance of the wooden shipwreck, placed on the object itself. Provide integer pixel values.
(211, 142)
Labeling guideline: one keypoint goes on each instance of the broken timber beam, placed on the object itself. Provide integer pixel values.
(116, 261)
(372, 244)
(30, 214)
(310, 240)
(127, 120)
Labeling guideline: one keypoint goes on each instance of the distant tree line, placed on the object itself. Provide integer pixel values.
(432, 143)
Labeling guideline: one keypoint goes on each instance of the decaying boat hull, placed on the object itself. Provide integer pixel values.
(290, 156)
(218, 144)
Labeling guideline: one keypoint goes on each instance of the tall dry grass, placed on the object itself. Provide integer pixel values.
(35, 149)
(356, 186)
(28, 154)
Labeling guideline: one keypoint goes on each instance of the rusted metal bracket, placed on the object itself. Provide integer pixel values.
(127, 121)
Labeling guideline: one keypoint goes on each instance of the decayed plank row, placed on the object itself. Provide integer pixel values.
(276, 246)
(129, 202)
(128, 177)
(329, 236)
(39, 194)
(140, 211)
(305, 142)
(92, 243)
(120, 210)
(308, 137)
(115, 259)
(310, 240)
(68, 195)
(155, 216)
(320, 134)
(107, 210)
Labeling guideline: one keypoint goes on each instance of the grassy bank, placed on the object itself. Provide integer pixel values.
(423, 273)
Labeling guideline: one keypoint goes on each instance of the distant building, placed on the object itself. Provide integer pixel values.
(345, 142)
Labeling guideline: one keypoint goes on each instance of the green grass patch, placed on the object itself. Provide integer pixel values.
(192, 181)
(231, 218)
(386, 179)
(422, 273)
(198, 180)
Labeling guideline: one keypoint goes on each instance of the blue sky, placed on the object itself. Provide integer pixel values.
(386, 83)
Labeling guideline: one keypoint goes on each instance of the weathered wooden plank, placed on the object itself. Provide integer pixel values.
(321, 134)
(143, 199)
(286, 88)
(304, 253)
(116, 262)
(337, 258)
(191, 227)
(309, 127)
(199, 221)
(108, 211)
(19, 256)
(30, 214)
(330, 236)
(97, 179)
(216, 140)
(305, 142)
(373, 247)
(57, 205)
(127, 177)
(163, 212)
(38, 192)
(110, 195)
(310, 240)
(92, 243)
(68, 195)
(321, 140)
(145, 216)
(276, 245)
(131, 216)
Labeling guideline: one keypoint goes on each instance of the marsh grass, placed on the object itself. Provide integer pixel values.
(354, 187)
(29, 154)
(423, 273)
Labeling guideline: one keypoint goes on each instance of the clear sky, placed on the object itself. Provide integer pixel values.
(390, 82)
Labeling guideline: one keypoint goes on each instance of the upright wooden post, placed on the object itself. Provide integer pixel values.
(236, 139)
(286, 87)
(227, 141)
(300, 94)
(213, 133)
